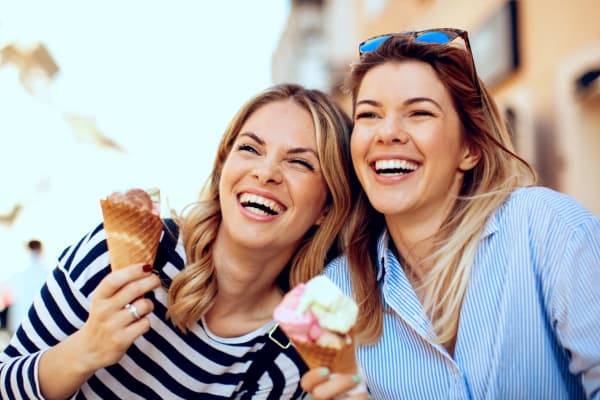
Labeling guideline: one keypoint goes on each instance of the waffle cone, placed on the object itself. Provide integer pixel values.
(342, 361)
(132, 235)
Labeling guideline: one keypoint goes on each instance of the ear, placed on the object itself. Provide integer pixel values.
(470, 157)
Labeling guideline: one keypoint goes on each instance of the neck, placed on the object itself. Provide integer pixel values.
(411, 252)
(413, 234)
(247, 293)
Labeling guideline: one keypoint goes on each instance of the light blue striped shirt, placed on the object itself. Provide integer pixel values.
(530, 320)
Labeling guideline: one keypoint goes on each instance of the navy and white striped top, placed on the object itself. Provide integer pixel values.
(162, 364)
(530, 320)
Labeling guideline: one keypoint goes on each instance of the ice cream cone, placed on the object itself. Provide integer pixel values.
(132, 234)
(341, 361)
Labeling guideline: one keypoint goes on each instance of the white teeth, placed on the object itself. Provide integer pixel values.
(394, 166)
(248, 200)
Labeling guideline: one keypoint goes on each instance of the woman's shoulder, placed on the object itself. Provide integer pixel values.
(336, 266)
(337, 270)
(543, 215)
(542, 203)
(87, 257)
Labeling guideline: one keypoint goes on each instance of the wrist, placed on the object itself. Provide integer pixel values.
(84, 362)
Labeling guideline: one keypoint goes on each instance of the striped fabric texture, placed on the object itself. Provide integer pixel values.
(530, 321)
(162, 364)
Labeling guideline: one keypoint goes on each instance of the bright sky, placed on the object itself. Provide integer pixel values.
(162, 78)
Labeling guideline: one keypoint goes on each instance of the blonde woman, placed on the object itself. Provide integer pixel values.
(471, 282)
(268, 217)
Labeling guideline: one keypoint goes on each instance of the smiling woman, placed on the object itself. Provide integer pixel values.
(471, 282)
(430, 154)
(268, 218)
(273, 163)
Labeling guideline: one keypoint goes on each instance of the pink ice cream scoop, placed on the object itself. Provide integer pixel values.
(316, 310)
(302, 326)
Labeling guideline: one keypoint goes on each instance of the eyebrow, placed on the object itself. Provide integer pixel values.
(295, 150)
(253, 136)
(407, 102)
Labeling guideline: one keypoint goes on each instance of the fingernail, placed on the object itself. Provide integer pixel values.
(323, 371)
(357, 378)
(147, 267)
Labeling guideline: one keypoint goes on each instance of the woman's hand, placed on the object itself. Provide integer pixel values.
(111, 328)
(322, 385)
(109, 331)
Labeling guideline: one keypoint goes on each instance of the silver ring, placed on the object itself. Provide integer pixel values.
(133, 310)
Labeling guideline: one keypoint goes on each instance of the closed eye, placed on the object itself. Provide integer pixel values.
(303, 163)
(365, 114)
(248, 148)
(421, 113)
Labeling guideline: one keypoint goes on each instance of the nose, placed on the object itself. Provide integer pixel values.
(268, 171)
(391, 130)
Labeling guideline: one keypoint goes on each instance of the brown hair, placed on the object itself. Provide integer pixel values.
(484, 189)
(193, 290)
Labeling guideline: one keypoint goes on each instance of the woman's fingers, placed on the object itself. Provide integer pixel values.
(322, 385)
(124, 286)
(136, 289)
(118, 289)
(135, 310)
(134, 330)
(114, 281)
(314, 377)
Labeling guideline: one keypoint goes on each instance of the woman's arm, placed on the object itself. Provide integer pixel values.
(104, 338)
(72, 321)
(575, 305)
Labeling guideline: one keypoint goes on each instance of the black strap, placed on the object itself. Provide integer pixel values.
(167, 244)
(277, 342)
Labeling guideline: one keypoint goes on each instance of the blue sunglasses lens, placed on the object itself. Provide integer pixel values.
(373, 44)
(433, 37)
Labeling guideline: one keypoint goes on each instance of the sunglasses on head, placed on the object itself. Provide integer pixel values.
(434, 36)
(439, 36)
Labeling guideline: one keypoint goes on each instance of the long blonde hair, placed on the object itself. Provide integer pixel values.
(484, 189)
(194, 289)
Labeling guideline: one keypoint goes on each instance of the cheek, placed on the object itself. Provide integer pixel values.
(316, 197)
(321, 193)
(358, 146)
(435, 142)
(226, 176)
(221, 189)
(223, 175)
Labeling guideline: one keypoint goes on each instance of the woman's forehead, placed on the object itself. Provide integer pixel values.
(401, 79)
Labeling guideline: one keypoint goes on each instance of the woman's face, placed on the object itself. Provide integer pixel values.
(407, 147)
(271, 188)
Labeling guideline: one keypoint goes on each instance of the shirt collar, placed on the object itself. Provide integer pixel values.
(490, 228)
(382, 253)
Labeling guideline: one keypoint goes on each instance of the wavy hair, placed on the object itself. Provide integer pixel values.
(484, 189)
(194, 289)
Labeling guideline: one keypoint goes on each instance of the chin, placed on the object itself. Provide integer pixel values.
(388, 205)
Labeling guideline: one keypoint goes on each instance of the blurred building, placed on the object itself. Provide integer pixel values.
(541, 59)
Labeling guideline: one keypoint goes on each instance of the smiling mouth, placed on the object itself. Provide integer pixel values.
(394, 167)
(260, 205)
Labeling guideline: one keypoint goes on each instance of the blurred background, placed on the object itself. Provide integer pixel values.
(104, 96)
